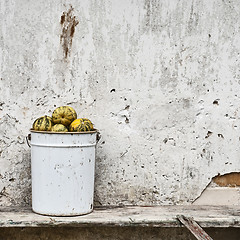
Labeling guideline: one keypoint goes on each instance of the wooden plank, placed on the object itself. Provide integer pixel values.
(194, 228)
(154, 216)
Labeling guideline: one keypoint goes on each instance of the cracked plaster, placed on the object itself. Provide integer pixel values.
(160, 80)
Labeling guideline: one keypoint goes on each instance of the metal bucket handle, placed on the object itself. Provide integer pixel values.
(28, 139)
(98, 136)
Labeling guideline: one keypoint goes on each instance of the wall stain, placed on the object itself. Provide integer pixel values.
(68, 22)
(152, 19)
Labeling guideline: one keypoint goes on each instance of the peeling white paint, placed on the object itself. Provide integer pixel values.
(219, 196)
(146, 73)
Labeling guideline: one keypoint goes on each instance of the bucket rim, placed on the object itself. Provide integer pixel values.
(69, 133)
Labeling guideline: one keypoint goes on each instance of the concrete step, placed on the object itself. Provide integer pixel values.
(129, 216)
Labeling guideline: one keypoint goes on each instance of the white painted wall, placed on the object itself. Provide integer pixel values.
(172, 121)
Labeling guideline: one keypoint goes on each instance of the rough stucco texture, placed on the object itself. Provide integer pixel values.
(159, 79)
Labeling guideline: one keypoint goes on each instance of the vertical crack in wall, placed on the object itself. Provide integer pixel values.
(68, 22)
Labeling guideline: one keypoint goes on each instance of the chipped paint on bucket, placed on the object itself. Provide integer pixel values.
(62, 167)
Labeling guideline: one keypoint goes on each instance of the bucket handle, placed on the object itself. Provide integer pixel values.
(28, 139)
(98, 136)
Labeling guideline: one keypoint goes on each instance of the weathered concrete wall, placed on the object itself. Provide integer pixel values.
(160, 80)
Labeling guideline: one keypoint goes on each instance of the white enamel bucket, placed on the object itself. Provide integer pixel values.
(62, 166)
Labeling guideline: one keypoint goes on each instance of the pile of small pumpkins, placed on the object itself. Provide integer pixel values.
(64, 119)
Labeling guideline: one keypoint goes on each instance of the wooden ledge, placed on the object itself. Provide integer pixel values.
(154, 216)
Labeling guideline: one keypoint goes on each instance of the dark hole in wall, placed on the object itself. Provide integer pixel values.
(209, 133)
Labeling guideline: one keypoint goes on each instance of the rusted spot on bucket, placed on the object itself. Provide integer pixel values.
(68, 22)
